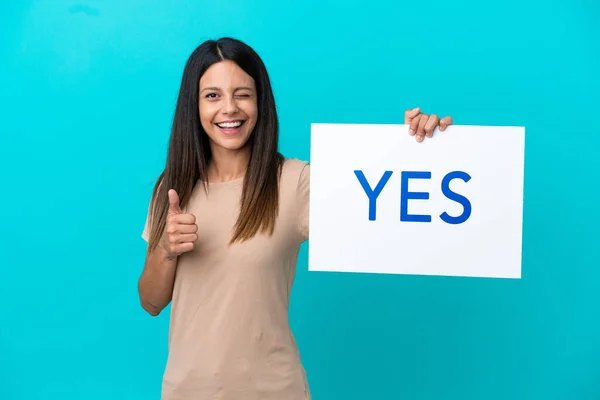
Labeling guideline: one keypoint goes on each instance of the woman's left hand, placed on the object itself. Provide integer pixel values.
(422, 125)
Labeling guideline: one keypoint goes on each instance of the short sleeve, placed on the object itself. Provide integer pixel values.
(303, 199)
(146, 230)
(147, 223)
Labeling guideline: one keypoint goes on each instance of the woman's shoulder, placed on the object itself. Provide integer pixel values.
(294, 169)
(294, 166)
(295, 192)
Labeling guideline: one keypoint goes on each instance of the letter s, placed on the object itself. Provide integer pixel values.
(456, 197)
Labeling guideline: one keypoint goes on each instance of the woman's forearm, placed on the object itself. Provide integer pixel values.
(155, 286)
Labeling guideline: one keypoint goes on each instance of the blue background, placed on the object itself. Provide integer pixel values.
(87, 97)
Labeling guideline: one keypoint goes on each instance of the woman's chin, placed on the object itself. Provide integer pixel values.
(230, 143)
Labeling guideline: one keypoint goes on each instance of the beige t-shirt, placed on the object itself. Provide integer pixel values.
(229, 335)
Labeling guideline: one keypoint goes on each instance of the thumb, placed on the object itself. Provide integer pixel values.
(174, 202)
(410, 114)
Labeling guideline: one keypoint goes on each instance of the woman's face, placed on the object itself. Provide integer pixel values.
(228, 105)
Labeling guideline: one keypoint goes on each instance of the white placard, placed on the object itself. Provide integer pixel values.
(451, 205)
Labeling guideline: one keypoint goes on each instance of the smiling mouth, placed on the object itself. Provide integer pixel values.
(230, 124)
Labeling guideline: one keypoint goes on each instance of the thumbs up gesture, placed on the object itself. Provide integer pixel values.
(181, 230)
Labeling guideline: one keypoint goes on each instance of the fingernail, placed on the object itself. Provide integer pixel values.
(411, 132)
(419, 138)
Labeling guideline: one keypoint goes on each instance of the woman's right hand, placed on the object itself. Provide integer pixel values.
(181, 231)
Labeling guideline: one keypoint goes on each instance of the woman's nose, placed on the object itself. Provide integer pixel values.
(230, 106)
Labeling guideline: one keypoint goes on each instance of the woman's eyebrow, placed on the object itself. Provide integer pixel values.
(218, 89)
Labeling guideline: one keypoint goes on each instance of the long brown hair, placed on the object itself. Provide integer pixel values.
(189, 150)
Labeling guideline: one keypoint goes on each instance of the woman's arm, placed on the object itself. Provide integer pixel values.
(303, 201)
(155, 286)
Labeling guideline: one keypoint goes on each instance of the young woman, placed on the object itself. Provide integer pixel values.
(225, 223)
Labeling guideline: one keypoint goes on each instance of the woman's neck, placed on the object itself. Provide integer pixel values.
(228, 165)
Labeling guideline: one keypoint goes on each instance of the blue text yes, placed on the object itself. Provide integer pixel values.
(405, 195)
